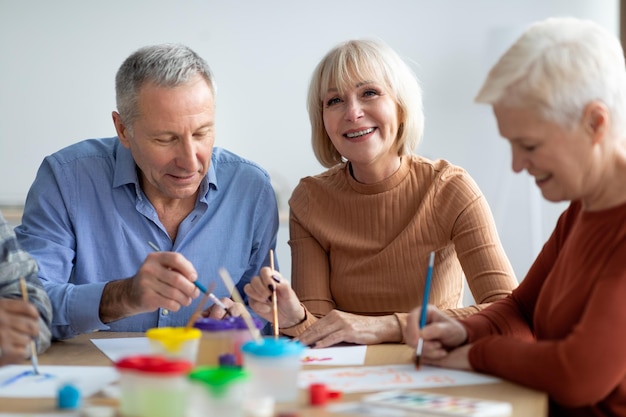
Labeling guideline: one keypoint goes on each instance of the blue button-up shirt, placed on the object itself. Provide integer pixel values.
(87, 222)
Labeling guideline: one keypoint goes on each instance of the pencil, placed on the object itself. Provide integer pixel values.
(33, 347)
(274, 299)
(422, 323)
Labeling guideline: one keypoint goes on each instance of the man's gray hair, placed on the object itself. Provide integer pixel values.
(166, 65)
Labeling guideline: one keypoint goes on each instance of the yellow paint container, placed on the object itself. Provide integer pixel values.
(175, 342)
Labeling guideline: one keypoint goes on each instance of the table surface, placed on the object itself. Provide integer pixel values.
(79, 351)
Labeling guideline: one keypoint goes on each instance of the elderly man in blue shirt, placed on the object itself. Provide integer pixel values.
(96, 204)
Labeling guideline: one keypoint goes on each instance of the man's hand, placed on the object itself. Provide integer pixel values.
(164, 280)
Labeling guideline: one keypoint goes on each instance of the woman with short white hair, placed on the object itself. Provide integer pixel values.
(558, 95)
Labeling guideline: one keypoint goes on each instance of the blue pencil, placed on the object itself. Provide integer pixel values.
(422, 323)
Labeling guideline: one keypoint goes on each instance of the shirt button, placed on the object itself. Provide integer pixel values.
(165, 312)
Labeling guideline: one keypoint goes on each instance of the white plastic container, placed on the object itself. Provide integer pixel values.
(273, 364)
(175, 342)
(153, 386)
(217, 391)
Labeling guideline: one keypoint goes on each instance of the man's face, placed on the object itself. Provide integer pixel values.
(172, 139)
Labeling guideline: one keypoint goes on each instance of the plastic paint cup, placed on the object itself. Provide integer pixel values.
(222, 391)
(222, 337)
(273, 364)
(153, 386)
(175, 342)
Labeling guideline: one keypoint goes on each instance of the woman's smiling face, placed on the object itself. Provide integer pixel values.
(559, 159)
(362, 123)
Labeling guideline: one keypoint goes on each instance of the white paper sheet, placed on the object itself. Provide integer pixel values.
(117, 348)
(18, 381)
(387, 377)
(121, 347)
(336, 356)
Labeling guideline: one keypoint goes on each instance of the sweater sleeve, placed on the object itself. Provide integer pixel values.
(488, 272)
(310, 270)
(298, 329)
(583, 365)
(579, 369)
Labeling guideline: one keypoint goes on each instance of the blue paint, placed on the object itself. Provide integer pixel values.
(14, 379)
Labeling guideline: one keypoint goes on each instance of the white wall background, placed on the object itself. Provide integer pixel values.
(59, 59)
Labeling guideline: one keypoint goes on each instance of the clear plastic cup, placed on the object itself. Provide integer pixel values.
(221, 338)
(273, 364)
(175, 342)
(217, 391)
(153, 386)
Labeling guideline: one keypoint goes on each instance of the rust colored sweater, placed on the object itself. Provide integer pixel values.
(363, 248)
(563, 330)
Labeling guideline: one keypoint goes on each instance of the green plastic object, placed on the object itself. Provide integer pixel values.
(217, 380)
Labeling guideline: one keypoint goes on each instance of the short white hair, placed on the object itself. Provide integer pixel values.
(558, 66)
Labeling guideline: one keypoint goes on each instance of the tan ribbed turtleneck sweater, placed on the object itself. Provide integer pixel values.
(363, 248)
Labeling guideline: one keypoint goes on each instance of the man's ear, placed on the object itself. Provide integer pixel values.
(120, 128)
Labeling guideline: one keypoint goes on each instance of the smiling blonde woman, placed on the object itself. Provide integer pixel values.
(361, 232)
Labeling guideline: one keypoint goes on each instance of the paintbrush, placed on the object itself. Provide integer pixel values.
(274, 299)
(201, 304)
(247, 318)
(201, 287)
(422, 323)
(33, 347)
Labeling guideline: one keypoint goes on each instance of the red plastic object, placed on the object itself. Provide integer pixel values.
(319, 394)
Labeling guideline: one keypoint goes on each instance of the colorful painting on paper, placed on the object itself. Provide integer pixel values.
(18, 381)
(377, 378)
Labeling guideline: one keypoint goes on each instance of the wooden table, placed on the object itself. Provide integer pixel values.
(80, 351)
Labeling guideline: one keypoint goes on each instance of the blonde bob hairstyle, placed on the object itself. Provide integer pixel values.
(354, 61)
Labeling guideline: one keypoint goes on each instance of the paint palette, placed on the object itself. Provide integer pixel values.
(438, 404)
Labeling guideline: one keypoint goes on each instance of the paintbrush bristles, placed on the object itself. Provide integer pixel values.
(418, 353)
(417, 362)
